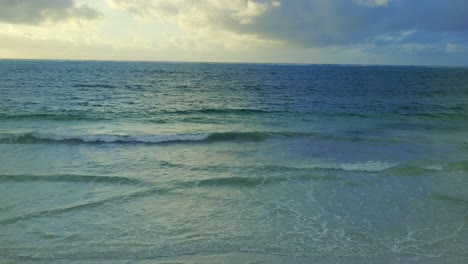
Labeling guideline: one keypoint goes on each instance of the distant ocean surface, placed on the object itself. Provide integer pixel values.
(139, 162)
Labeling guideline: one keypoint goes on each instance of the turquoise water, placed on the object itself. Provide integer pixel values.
(131, 162)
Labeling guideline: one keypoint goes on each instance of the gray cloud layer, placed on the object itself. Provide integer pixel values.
(318, 23)
(340, 22)
(39, 11)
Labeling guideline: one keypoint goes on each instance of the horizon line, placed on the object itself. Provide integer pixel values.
(241, 62)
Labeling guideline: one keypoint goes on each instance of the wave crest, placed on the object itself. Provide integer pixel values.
(367, 166)
(35, 137)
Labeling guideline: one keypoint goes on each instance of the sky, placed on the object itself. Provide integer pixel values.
(415, 32)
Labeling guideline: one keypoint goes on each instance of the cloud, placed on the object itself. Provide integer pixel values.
(41, 11)
(210, 11)
(310, 23)
(452, 48)
(250, 11)
(372, 3)
(364, 31)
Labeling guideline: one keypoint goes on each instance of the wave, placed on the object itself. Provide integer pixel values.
(42, 137)
(387, 168)
(245, 111)
(418, 169)
(122, 197)
(436, 116)
(367, 166)
(237, 111)
(254, 181)
(323, 173)
(96, 85)
(44, 116)
(256, 136)
(70, 178)
(361, 167)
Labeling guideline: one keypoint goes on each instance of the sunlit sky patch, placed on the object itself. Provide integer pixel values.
(430, 32)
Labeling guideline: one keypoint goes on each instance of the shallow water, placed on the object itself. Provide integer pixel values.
(205, 163)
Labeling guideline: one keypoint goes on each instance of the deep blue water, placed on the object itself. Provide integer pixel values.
(118, 162)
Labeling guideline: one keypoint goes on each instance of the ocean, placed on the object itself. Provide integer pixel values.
(145, 162)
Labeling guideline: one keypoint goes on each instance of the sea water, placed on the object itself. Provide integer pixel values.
(139, 162)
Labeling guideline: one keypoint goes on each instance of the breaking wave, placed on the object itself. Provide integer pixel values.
(42, 137)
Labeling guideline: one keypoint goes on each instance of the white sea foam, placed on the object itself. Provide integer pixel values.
(106, 138)
(139, 138)
(11, 136)
(434, 167)
(367, 166)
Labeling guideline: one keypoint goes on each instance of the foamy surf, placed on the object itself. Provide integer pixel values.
(366, 166)
(100, 138)
(32, 137)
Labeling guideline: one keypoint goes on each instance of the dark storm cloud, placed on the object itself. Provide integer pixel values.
(39, 11)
